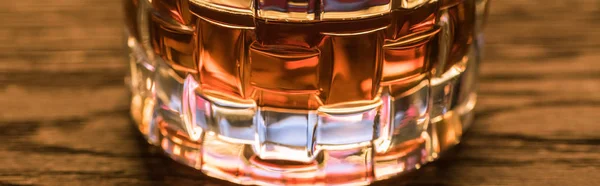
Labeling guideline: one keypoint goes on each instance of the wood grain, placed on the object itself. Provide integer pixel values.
(64, 110)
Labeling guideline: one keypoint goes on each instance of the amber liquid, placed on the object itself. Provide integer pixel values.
(304, 65)
(323, 95)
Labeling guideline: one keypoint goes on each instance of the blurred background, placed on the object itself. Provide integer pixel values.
(64, 115)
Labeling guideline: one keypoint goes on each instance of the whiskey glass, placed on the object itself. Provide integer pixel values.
(325, 92)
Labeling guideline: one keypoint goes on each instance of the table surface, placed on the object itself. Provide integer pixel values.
(64, 109)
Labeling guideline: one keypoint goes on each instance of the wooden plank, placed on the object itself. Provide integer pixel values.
(64, 116)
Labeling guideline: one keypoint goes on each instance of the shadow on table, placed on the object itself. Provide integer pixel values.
(163, 171)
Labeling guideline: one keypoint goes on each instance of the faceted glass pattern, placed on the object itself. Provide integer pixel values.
(278, 92)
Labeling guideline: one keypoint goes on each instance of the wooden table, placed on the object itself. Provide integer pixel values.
(64, 110)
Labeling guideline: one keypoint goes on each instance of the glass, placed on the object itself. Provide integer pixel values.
(303, 91)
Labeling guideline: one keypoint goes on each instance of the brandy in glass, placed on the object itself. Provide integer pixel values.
(277, 92)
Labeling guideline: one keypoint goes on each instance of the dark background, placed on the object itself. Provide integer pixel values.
(64, 109)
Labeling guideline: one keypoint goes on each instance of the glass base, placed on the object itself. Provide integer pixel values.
(341, 145)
